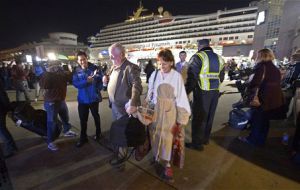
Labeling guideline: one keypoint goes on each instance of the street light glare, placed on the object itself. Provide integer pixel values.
(51, 56)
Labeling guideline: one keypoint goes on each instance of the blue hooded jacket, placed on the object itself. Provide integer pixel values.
(88, 92)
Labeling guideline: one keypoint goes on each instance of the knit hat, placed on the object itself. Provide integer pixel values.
(203, 42)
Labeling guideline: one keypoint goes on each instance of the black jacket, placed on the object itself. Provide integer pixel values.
(270, 93)
(195, 65)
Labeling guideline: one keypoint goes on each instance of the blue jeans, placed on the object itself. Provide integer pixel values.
(259, 127)
(54, 109)
(22, 86)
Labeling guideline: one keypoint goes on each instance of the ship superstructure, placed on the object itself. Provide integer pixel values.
(144, 35)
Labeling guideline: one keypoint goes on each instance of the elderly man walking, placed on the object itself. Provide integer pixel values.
(124, 88)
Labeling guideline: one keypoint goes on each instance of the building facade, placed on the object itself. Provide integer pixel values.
(60, 44)
(289, 33)
(268, 24)
(278, 27)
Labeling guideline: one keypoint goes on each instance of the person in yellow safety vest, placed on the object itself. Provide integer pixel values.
(205, 74)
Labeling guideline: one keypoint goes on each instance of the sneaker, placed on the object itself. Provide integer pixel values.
(117, 161)
(52, 146)
(168, 174)
(81, 142)
(97, 138)
(18, 123)
(70, 134)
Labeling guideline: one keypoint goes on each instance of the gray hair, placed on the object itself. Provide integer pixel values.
(119, 47)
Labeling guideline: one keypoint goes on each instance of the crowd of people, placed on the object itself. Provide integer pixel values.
(169, 89)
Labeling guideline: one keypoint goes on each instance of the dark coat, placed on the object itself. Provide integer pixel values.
(55, 85)
(194, 69)
(270, 93)
(4, 100)
(129, 85)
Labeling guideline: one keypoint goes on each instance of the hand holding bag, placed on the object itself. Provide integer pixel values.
(255, 101)
(146, 113)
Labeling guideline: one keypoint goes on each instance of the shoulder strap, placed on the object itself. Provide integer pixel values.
(156, 71)
(151, 96)
(263, 76)
(261, 81)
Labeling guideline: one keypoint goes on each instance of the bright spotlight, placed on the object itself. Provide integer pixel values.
(51, 56)
(28, 58)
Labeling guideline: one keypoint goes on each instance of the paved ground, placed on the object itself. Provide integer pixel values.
(224, 164)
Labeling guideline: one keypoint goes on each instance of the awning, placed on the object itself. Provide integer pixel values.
(62, 57)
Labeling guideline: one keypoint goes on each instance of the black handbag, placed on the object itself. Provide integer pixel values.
(127, 131)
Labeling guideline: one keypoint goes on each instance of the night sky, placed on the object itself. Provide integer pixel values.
(25, 21)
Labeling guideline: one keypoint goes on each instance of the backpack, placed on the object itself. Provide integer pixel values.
(238, 118)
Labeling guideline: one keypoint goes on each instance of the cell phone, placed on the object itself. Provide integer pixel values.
(94, 73)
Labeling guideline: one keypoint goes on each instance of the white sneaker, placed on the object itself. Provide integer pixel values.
(18, 123)
(70, 134)
(52, 146)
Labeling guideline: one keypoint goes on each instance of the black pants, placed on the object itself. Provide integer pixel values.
(83, 110)
(203, 109)
(9, 143)
(296, 139)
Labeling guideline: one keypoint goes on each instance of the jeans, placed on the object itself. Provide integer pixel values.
(117, 111)
(37, 89)
(83, 110)
(9, 143)
(22, 86)
(7, 83)
(259, 127)
(54, 109)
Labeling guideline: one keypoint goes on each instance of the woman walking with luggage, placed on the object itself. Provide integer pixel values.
(172, 111)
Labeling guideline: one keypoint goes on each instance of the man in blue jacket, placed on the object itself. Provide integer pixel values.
(88, 80)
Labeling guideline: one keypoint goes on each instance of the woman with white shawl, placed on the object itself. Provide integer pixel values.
(172, 108)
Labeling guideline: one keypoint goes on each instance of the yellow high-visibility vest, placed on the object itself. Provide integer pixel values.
(210, 80)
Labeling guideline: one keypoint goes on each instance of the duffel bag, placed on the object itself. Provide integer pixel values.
(238, 118)
(127, 131)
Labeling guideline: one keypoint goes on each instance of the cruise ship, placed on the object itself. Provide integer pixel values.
(230, 32)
